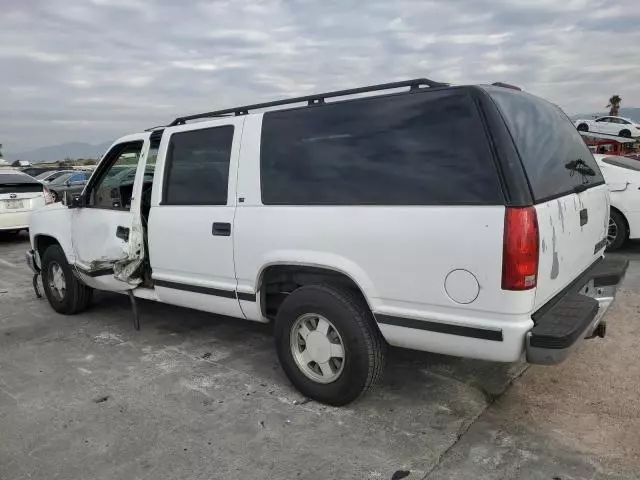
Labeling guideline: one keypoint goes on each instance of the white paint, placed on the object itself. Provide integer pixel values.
(624, 190)
(564, 241)
(18, 218)
(422, 263)
(610, 125)
(183, 248)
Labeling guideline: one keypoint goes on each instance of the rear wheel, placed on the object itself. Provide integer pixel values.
(625, 133)
(65, 292)
(618, 232)
(583, 127)
(329, 344)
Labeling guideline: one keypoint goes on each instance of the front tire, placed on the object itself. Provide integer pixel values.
(583, 127)
(329, 344)
(618, 232)
(66, 294)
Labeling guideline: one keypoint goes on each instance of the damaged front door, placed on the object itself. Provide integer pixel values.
(106, 229)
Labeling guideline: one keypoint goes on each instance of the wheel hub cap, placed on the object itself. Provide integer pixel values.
(57, 281)
(317, 348)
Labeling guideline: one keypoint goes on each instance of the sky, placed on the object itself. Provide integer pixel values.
(93, 70)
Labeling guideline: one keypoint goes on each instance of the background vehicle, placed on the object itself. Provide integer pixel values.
(622, 127)
(72, 182)
(622, 175)
(461, 220)
(20, 194)
(48, 177)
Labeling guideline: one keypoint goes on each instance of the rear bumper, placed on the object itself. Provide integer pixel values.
(14, 220)
(575, 314)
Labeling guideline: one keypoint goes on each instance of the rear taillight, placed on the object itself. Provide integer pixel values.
(48, 196)
(520, 249)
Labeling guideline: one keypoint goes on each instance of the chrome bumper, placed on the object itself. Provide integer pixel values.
(577, 315)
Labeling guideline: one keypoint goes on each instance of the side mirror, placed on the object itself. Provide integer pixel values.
(71, 200)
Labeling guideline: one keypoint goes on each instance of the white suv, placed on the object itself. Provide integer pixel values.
(467, 220)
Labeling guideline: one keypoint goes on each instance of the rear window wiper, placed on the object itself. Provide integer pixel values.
(580, 166)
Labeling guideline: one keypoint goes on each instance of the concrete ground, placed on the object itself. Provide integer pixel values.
(194, 396)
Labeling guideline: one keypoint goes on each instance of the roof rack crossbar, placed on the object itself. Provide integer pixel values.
(315, 99)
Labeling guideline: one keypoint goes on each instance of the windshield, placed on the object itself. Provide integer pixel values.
(43, 175)
(62, 178)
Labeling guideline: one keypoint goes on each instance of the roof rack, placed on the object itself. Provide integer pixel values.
(311, 99)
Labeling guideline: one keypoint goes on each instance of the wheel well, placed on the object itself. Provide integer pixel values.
(626, 222)
(278, 281)
(42, 242)
(625, 131)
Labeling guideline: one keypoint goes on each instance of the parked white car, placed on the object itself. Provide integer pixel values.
(444, 219)
(20, 195)
(618, 126)
(622, 175)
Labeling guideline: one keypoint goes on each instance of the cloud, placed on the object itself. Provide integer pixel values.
(72, 70)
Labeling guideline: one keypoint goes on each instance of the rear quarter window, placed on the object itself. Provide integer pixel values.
(426, 148)
(546, 141)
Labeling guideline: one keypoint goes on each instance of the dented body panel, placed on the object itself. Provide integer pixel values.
(570, 241)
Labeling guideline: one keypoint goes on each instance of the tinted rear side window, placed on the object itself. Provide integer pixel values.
(426, 148)
(547, 142)
(198, 167)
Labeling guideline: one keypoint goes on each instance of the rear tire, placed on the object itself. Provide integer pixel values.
(583, 127)
(306, 349)
(66, 294)
(624, 133)
(618, 231)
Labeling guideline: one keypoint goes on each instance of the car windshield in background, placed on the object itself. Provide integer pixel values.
(623, 162)
(555, 158)
(43, 175)
(61, 179)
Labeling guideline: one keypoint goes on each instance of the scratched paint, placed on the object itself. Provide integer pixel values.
(555, 265)
(560, 214)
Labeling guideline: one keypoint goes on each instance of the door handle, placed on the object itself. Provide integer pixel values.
(221, 229)
(123, 233)
(584, 217)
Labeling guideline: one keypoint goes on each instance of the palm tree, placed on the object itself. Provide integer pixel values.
(614, 105)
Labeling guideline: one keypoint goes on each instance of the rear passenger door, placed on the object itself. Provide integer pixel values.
(192, 215)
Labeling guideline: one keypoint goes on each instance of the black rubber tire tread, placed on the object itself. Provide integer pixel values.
(623, 231)
(625, 133)
(78, 295)
(583, 127)
(365, 348)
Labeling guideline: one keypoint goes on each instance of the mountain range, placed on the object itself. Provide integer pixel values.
(75, 150)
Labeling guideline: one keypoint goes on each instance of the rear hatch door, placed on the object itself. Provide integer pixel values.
(568, 190)
(19, 192)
